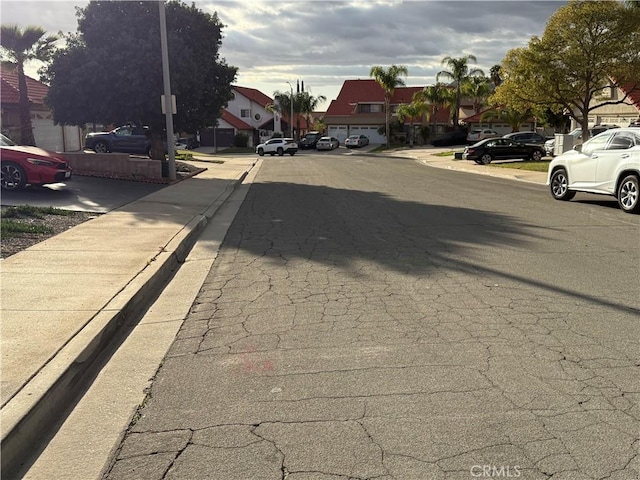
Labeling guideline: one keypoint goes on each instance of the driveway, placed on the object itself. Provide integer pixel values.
(85, 194)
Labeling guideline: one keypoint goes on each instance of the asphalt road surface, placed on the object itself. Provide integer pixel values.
(376, 318)
(85, 194)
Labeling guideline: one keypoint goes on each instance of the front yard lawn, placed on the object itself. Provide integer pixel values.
(542, 166)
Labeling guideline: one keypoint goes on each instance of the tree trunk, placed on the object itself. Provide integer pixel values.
(26, 128)
(387, 115)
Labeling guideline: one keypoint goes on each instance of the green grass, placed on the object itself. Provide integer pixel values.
(542, 166)
(32, 212)
(12, 228)
(444, 154)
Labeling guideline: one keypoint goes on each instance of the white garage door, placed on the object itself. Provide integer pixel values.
(51, 137)
(338, 131)
(369, 131)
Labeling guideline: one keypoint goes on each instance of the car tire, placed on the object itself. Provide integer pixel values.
(101, 147)
(292, 153)
(13, 176)
(261, 152)
(536, 155)
(559, 185)
(280, 152)
(149, 152)
(628, 194)
(485, 159)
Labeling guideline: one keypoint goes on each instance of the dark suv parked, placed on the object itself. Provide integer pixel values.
(310, 140)
(125, 139)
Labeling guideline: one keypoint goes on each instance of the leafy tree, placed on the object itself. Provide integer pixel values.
(587, 49)
(20, 46)
(479, 89)
(460, 73)
(389, 79)
(308, 104)
(411, 111)
(111, 70)
(436, 96)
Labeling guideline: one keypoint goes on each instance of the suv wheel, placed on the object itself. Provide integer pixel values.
(559, 185)
(280, 151)
(101, 147)
(628, 194)
(261, 152)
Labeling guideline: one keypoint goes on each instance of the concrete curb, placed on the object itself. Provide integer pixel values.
(31, 417)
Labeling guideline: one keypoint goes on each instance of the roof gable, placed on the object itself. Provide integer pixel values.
(254, 95)
(9, 92)
(235, 121)
(633, 93)
(354, 92)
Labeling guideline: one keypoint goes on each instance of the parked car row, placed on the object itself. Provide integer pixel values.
(310, 140)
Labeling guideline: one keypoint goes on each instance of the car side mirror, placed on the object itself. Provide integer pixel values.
(578, 148)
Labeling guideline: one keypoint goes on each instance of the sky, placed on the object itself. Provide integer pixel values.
(323, 43)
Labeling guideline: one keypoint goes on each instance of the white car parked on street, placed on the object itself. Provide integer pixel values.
(608, 164)
(277, 145)
(478, 134)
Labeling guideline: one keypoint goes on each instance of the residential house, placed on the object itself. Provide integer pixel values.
(621, 114)
(247, 113)
(484, 119)
(359, 110)
(47, 134)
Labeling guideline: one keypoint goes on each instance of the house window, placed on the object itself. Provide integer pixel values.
(370, 108)
(245, 113)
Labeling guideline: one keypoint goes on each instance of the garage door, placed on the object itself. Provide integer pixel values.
(47, 135)
(338, 131)
(369, 131)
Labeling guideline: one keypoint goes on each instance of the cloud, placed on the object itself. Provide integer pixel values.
(325, 43)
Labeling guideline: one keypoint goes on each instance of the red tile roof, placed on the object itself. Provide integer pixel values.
(366, 91)
(254, 95)
(354, 92)
(9, 93)
(235, 121)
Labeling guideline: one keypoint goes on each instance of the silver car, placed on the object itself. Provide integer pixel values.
(327, 143)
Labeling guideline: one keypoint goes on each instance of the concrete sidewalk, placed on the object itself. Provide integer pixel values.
(69, 301)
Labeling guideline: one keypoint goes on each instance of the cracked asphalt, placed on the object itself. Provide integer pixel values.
(369, 318)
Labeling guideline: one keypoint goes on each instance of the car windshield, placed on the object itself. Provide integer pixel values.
(6, 142)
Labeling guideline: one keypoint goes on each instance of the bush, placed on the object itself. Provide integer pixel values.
(241, 140)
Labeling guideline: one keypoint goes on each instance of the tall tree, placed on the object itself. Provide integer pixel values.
(587, 51)
(111, 70)
(308, 104)
(411, 111)
(282, 105)
(389, 79)
(495, 75)
(478, 89)
(20, 46)
(459, 72)
(437, 97)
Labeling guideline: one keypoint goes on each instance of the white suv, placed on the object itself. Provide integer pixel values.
(277, 145)
(608, 163)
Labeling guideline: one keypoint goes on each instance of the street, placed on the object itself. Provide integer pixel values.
(370, 317)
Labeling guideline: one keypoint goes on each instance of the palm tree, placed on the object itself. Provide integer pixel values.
(436, 97)
(308, 104)
(18, 47)
(389, 79)
(410, 111)
(478, 88)
(458, 72)
(283, 106)
(494, 75)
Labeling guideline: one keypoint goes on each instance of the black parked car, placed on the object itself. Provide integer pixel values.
(125, 139)
(457, 137)
(526, 137)
(310, 140)
(490, 149)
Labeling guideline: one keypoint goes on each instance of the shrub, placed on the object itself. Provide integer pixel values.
(241, 140)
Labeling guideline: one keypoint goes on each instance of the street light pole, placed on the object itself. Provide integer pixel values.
(291, 118)
(167, 91)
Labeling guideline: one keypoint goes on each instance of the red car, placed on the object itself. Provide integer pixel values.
(22, 165)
